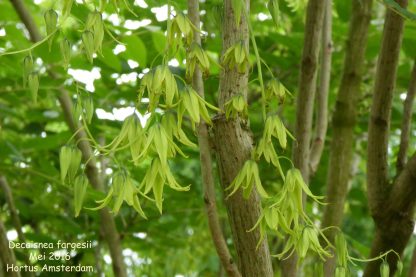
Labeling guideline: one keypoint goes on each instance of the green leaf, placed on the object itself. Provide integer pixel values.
(159, 41)
(135, 50)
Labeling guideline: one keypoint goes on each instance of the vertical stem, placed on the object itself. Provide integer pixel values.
(406, 122)
(379, 125)
(206, 164)
(392, 228)
(323, 90)
(6, 254)
(233, 144)
(14, 216)
(305, 100)
(344, 118)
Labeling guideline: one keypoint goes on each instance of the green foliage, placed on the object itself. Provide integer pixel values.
(140, 158)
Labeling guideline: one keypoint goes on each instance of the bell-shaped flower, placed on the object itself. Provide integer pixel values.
(196, 56)
(195, 106)
(246, 179)
(236, 56)
(155, 179)
(122, 190)
(237, 105)
(274, 127)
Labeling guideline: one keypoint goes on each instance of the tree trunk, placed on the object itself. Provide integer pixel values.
(389, 208)
(234, 141)
(15, 218)
(344, 119)
(321, 125)
(406, 122)
(208, 181)
(305, 100)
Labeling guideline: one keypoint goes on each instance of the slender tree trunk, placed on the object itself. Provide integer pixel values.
(344, 119)
(323, 90)
(6, 254)
(406, 122)
(233, 140)
(206, 165)
(305, 100)
(389, 207)
(108, 225)
(15, 217)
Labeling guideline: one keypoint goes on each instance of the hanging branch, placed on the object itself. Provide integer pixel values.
(111, 234)
(323, 91)
(206, 164)
(406, 122)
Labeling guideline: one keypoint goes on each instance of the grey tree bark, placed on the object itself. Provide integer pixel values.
(305, 101)
(233, 143)
(321, 125)
(391, 206)
(206, 165)
(344, 119)
(406, 122)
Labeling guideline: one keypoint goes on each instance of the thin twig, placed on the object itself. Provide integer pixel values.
(406, 122)
(206, 165)
(323, 91)
(14, 215)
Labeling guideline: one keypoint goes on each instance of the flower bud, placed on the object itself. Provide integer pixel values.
(33, 82)
(80, 188)
(66, 52)
(88, 42)
(27, 68)
(88, 105)
(51, 20)
(384, 269)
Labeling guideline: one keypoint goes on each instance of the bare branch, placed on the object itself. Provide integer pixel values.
(14, 215)
(206, 165)
(393, 228)
(305, 101)
(379, 125)
(13, 212)
(323, 91)
(406, 122)
(343, 122)
(307, 85)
